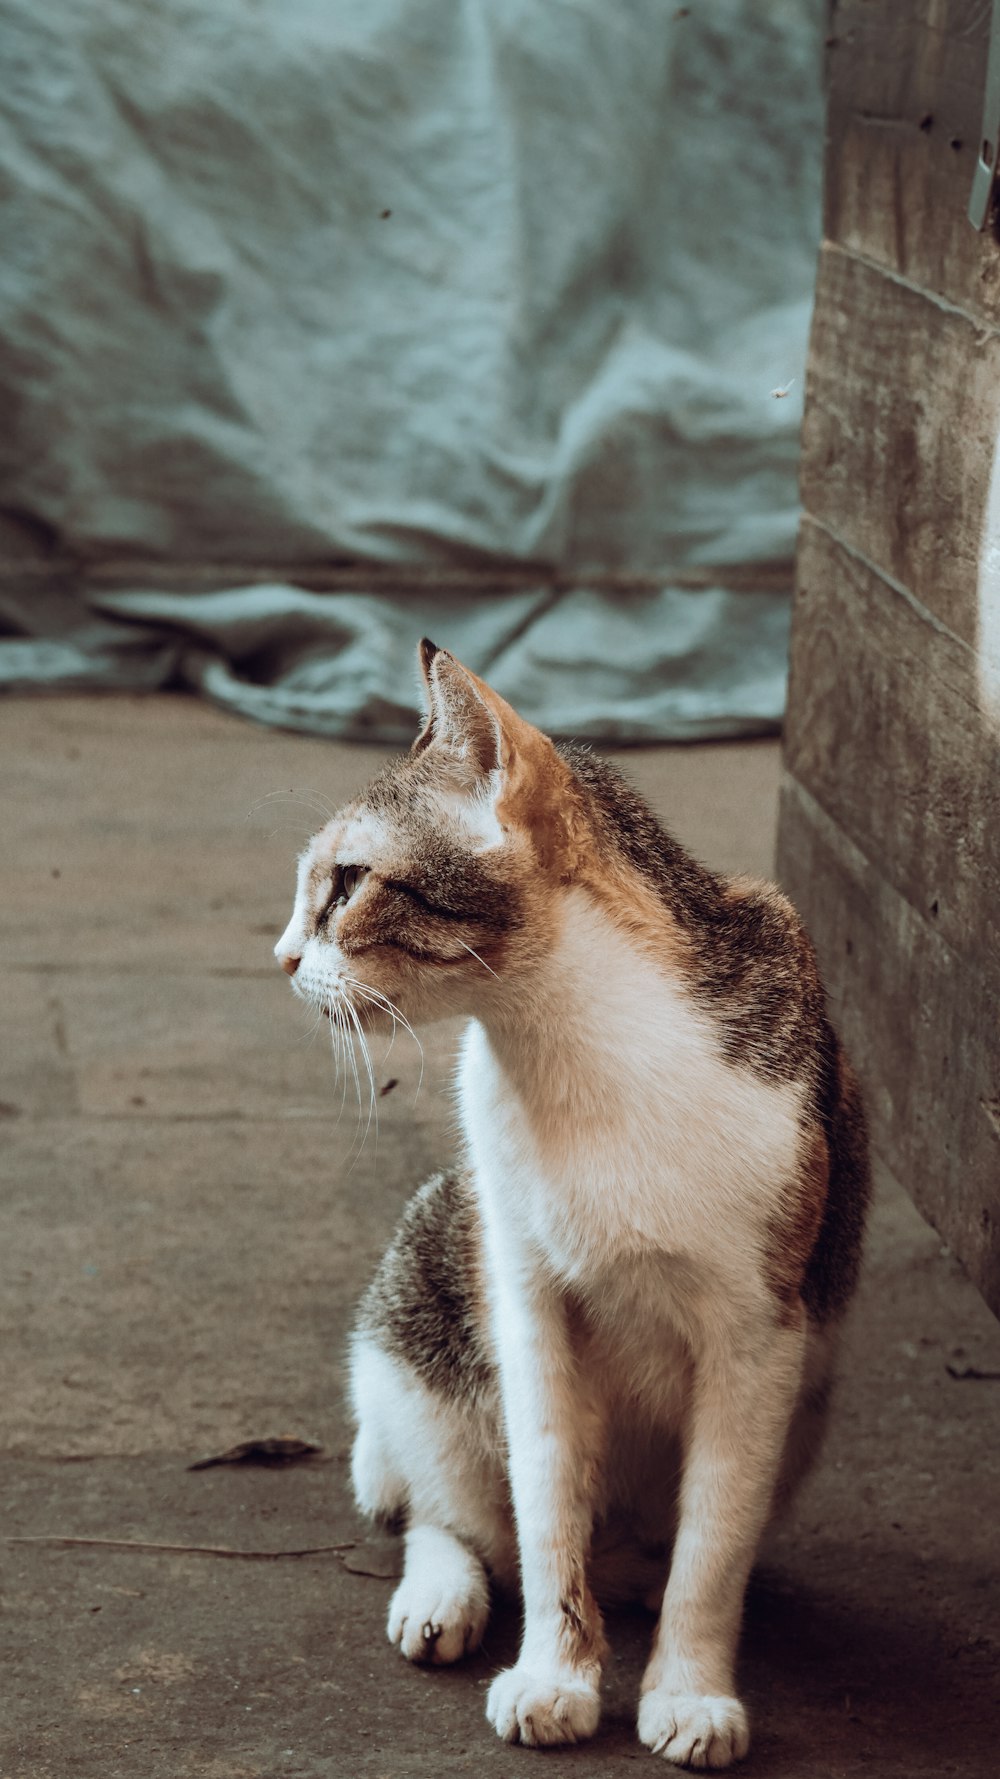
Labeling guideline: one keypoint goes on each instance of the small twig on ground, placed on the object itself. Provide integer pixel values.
(183, 1550)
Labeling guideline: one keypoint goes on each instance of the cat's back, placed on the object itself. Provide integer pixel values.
(735, 946)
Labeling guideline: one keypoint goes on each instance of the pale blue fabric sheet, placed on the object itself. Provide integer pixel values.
(471, 285)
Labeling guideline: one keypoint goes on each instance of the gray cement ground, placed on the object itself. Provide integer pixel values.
(185, 1226)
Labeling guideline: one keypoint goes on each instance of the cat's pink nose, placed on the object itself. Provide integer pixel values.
(289, 963)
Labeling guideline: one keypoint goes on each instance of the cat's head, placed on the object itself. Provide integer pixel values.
(435, 890)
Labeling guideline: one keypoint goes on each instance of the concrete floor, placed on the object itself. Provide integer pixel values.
(185, 1225)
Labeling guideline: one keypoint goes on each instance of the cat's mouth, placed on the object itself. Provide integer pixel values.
(347, 1006)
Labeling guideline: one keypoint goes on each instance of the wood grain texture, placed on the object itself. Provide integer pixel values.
(905, 107)
(885, 728)
(920, 1023)
(889, 833)
(901, 428)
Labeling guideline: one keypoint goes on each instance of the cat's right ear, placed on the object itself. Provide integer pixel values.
(459, 718)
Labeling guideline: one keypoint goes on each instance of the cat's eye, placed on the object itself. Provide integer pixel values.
(350, 877)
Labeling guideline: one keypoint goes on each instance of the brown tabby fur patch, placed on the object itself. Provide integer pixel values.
(581, 1633)
(426, 1303)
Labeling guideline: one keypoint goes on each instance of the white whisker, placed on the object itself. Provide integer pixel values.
(359, 989)
(349, 1052)
(306, 796)
(310, 801)
(479, 960)
(338, 1041)
(376, 998)
(366, 1059)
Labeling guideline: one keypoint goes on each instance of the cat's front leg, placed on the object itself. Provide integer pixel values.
(745, 1386)
(552, 1694)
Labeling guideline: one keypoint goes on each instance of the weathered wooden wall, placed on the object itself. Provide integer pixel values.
(889, 837)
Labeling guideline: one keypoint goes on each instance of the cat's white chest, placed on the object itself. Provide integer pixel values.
(628, 1132)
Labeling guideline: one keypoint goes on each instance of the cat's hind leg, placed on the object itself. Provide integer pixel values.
(437, 1465)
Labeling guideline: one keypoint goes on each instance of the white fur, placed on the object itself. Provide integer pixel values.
(694, 1731)
(541, 1702)
(439, 1610)
(471, 814)
(445, 1465)
(606, 1121)
(293, 938)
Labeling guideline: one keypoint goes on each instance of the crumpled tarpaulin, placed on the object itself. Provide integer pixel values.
(325, 325)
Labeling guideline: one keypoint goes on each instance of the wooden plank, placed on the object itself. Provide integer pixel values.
(900, 435)
(889, 833)
(886, 729)
(921, 1026)
(905, 108)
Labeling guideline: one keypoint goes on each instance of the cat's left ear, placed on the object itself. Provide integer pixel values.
(465, 716)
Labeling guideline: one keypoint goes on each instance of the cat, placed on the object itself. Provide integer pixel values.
(603, 1343)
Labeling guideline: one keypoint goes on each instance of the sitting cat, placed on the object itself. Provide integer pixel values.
(611, 1329)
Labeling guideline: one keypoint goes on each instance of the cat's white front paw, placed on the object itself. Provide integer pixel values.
(694, 1729)
(541, 1708)
(438, 1623)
